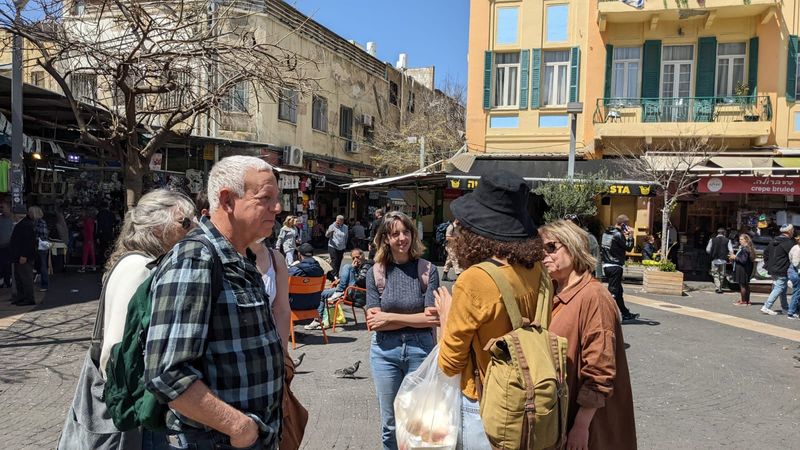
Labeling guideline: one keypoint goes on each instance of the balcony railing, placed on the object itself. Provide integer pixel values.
(684, 109)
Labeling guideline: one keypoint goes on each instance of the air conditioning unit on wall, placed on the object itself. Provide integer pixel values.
(351, 146)
(366, 120)
(293, 156)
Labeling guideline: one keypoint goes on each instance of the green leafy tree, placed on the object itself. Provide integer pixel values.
(576, 196)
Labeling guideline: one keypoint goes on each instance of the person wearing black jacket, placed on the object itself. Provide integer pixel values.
(719, 248)
(22, 250)
(373, 229)
(617, 240)
(776, 260)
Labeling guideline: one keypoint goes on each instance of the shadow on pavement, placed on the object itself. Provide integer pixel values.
(652, 323)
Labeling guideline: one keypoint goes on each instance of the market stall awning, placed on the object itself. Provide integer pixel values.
(412, 179)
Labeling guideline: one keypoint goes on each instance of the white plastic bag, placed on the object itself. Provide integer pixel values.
(427, 408)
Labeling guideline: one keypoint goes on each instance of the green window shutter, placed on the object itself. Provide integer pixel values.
(791, 69)
(536, 71)
(487, 80)
(524, 63)
(609, 72)
(752, 68)
(706, 67)
(651, 69)
(574, 73)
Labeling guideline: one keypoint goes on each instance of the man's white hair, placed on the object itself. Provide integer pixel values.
(229, 173)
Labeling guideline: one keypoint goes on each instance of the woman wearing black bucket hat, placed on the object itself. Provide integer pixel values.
(494, 225)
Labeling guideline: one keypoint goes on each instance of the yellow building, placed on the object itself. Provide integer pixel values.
(648, 72)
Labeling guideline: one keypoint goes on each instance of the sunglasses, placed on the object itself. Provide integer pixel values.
(186, 223)
(552, 247)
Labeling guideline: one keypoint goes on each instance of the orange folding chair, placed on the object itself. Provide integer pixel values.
(305, 293)
(347, 299)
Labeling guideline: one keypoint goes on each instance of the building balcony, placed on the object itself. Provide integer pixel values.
(724, 117)
(615, 11)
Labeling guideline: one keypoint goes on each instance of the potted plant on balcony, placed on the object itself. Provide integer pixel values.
(661, 277)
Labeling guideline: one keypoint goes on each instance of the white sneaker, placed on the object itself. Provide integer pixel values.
(313, 325)
(768, 311)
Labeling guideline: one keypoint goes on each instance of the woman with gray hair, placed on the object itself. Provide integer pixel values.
(151, 228)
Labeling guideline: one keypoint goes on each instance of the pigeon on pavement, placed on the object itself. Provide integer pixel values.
(299, 360)
(348, 371)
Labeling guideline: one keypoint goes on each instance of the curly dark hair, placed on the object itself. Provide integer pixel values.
(471, 248)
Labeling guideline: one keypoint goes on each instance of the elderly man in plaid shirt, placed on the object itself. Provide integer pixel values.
(218, 363)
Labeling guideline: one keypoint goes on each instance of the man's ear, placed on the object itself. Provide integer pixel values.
(226, 199)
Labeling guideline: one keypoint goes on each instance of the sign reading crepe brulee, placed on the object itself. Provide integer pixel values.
(750, 185)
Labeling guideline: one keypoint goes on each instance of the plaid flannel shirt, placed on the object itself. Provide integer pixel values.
(232, 346)
(41, 230)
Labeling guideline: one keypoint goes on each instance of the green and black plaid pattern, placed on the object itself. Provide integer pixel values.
(233, 345)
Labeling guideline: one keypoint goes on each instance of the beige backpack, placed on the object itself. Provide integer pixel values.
(524, 399)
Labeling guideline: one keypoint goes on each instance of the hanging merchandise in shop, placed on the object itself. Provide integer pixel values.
(290, 182)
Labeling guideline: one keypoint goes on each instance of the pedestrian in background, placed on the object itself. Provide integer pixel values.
(288, 240)
(476, 314)
(337, 235)
(6, 227)
(42, 246)
(106, 222)
(720, 249)
(452, 261)
(617, 240)
(88, 225)
(743, 263)
(158, 221)
(373, 229)
(776, 260)
(396, 311)
(649, 251)
(794, 277)
(359, 235)
(23, 248)
(600, 396)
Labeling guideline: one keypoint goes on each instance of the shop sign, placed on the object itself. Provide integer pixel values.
(750, 185)
(289, 182)
(613, 189)
(452, 194)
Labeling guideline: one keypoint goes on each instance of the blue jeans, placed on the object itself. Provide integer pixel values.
(472, 435)
(778, 290)
(795, 279)
(393, 355)
(44, 264)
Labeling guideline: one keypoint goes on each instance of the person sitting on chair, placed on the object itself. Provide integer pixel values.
(348, 275)
(306, 265)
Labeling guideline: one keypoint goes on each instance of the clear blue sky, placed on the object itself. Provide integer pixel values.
(431, 32)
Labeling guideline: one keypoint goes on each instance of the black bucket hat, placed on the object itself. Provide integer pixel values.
(497, 209)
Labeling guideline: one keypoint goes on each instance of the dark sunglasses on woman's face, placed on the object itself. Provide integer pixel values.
(551, 247)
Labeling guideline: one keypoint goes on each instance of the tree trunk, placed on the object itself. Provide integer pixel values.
(135, 169)
(665, 226)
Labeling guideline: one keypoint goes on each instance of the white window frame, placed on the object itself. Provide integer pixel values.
(506, 68)
(731, 59)
(319, 123)
(287, 105)
(625, 63)
(550, 98)
(692, 69)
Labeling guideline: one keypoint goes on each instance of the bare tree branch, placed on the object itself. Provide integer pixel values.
(157, 67)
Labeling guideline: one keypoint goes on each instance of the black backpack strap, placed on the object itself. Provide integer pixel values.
(217, 271)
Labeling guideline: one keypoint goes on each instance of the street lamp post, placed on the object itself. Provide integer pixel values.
(573, 109)
(17, 163)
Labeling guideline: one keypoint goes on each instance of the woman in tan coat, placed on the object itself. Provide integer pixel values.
(600, 397)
